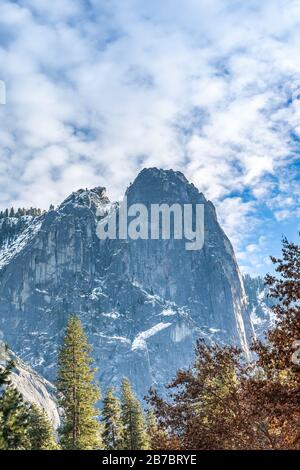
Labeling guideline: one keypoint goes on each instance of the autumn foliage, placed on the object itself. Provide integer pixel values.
(222, 402)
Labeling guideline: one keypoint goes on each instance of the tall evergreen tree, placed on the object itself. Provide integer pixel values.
(112, 424)
(78, 394)
(22, 426)
(157, 436)
(40, 430)
(5, 372)
(135, 436)
(13, 412)
(14, 416)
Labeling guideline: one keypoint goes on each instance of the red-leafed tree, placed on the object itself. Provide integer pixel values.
(222, 403)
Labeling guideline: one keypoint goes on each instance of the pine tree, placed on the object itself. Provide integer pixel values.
(13, 413)
(14, 416)
(22, 426)
(78, 393)
(40, 430)
(5, 372)
(112, 424)
(135, 436)
(157, 436)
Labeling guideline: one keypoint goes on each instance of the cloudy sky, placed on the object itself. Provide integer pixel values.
(99, 89)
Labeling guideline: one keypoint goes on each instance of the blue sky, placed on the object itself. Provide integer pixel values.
(97, 90)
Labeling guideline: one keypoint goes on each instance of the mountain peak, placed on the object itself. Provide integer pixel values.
(143, 302)
(91, 198)
(161, 185)
(161, 175)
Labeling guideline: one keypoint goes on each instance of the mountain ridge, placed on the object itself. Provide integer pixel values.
(143, 302)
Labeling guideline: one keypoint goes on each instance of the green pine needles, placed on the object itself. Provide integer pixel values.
(113, 431)
(119, 425)
(22, 426)
(135, 436)
(78, 393)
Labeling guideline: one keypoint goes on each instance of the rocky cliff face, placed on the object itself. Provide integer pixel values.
(258, 305)
(143, 302)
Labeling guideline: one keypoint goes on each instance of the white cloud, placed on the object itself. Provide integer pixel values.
(97, 91)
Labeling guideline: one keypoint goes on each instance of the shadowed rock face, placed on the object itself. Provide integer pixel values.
(143, 302)
(259, 305)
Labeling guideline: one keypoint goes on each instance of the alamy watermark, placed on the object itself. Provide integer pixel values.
(2, 92)
(157, 221)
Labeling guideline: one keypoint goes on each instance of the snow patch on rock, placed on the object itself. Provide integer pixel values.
(168, 312)
(140, 340)
(7, 254)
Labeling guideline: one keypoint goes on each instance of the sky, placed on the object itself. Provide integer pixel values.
(97, 90)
